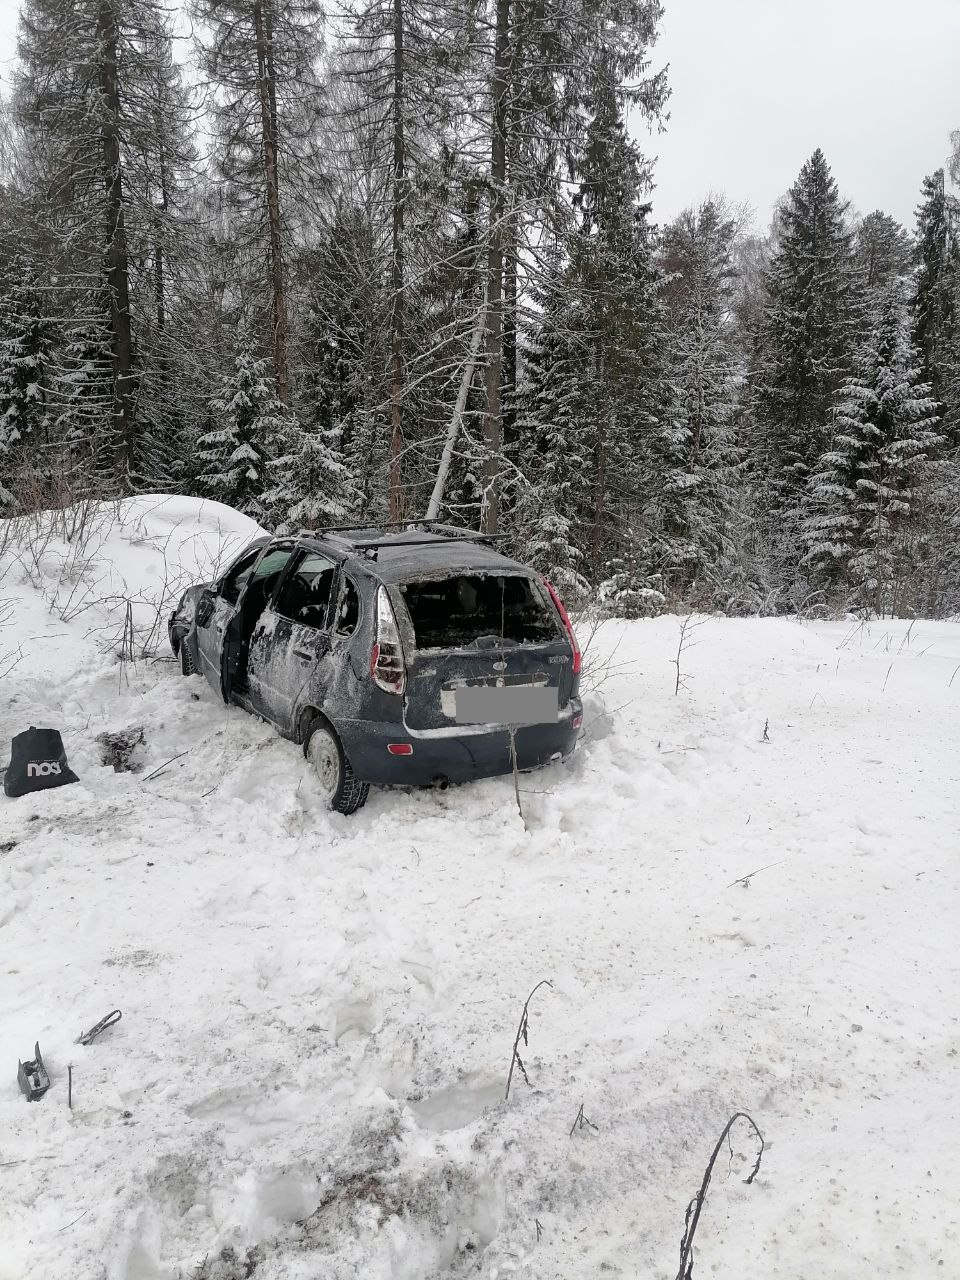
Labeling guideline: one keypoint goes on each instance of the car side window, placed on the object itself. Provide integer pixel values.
(263, 580)
(236, 578)
(348, 608)
(305, 596)
(271, 566)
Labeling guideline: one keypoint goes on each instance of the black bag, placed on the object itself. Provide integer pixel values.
(37, 761)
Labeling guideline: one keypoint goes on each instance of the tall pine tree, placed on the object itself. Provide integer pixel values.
(95, 137)
(937, 297)
(550, 510)
(703, 366)
(803, 353)
(866, 502)
(597, 391)
(883, 251)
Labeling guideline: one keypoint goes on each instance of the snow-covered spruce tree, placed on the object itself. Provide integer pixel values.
(27, 345)
(802, 355)
(312, 486)
(166, 223)
(550, 514)
(184, 363)
(545, 66)
(883, 251)
(869, 498)
(603, 402)
(310, 483)
(84, 397)
(246, 423)
(344, 354)
(88, 160)
(937, 298)
(705, 377)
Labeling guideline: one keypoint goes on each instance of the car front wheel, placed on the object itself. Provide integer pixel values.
(187, 667)
(339, 786)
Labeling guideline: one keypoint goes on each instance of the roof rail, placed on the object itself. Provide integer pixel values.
(390, 528)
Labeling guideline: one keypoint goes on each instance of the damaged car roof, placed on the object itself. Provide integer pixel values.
(397, 556)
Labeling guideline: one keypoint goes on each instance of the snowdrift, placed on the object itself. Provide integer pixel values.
(115, 569)
(743, 895)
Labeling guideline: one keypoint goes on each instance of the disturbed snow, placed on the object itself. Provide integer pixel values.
(318, 1011)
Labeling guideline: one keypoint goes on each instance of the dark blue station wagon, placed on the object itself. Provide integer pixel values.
(397, 656)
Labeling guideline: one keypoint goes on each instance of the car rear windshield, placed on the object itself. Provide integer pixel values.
(478, 609)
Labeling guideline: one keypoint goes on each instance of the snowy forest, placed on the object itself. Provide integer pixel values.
(402, 261)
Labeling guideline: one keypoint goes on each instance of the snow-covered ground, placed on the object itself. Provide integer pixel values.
(318, 1011)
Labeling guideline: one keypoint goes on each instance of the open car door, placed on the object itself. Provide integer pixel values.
(257, 590)
(227, 614)
(216, 610)
(291, 640)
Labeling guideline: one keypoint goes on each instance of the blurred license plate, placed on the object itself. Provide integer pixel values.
(507, 704)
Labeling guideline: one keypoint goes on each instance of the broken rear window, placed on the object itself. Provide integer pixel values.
(481, 610)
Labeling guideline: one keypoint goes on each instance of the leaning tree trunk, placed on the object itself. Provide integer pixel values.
(267, 86)
(116, 259)
(453, 430)
(492, 421)
(395, 480)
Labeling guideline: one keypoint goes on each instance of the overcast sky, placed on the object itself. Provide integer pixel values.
(759, 84)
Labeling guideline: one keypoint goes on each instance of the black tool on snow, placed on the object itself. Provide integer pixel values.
(110, 1020)
(37, 762)
(32, 1076)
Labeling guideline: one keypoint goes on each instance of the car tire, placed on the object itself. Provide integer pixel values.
(187, 667)
(339, 785)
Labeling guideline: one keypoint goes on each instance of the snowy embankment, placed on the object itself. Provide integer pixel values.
(318, 1011)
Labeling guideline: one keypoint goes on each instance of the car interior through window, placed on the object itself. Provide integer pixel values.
(479, 610)
(305, 595)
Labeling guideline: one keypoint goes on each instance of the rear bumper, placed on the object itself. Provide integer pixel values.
(457, 757)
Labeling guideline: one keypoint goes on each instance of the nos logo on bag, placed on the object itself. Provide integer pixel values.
(42, 768)
(37, 763)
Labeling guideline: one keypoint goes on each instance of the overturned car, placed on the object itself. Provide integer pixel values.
(403, 656)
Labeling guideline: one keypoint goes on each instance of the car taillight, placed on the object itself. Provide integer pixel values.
(565, 617)
(386, 659)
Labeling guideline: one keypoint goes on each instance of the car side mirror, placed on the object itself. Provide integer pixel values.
(205, 606)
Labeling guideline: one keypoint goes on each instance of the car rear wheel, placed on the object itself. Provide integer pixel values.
(186, 659)
(339, 786)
